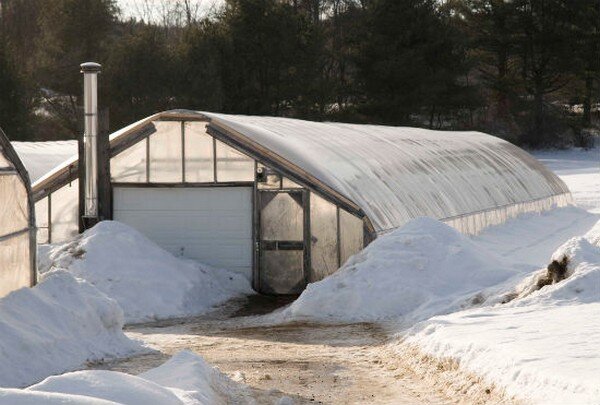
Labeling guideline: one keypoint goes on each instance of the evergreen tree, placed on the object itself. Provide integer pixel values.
(412, 62)
(545, 49)
(72, 32)
(139, 75)
(14, 105)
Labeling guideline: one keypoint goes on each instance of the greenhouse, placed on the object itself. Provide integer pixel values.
(286, 202)
(17, 223)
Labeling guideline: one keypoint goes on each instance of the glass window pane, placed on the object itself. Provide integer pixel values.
(324, 246)
(351, 235)
(233, 165)
(14, 215)
(129, 166)
(64, 217)
(41, 220)
(15, 264)
(199, 151)
(165, 153)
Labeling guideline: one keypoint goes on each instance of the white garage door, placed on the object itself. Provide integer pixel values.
(210, 224)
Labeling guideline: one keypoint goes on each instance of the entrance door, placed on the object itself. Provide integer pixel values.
(283, 230)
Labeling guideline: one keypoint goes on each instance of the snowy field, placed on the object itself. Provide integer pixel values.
(480, 303)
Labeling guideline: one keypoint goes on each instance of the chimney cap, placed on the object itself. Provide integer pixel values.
(90, 67)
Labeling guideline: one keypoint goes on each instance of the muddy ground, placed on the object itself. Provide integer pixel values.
(327, 364)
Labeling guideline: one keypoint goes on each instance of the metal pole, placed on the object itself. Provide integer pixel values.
(90, 72)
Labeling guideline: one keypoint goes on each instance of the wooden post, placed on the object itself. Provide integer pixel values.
(104, 191)
(80, 170)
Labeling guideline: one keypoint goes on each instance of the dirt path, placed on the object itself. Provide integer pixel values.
(346, 364)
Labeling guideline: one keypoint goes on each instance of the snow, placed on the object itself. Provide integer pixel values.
(148, 282)
(185, 379)
(58, 325)
(580, 170)
(542, 348)
(422, 269)
(41, 157)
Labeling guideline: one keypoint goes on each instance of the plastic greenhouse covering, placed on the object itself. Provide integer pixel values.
(395, 174)
(17, 227)
(390, 175)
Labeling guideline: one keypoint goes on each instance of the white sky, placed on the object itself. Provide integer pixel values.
(153, 9)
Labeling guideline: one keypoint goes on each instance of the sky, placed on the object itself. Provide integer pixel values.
(152, 9)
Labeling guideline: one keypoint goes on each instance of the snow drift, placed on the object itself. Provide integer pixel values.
(543, 345)
(422, 269)
(148, 282)
(185, 379)
(57, 326)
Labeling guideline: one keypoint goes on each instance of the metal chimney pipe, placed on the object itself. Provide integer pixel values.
(90, 72)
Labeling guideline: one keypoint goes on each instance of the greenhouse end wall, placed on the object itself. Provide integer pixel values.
(17, 223)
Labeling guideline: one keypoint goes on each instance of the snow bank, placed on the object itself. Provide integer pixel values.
(148, 282)
(185, 379)
(422, 269)
(57, 326)
(530, 239)
(579, 169)
(542, 346)
(200, 381)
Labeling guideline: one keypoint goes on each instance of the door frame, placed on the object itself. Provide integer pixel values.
(257, 251)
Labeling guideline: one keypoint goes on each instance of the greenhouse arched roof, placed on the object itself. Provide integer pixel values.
(390, 174)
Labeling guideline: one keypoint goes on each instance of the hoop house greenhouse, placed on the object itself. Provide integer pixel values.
(17, 222)
(286, 201)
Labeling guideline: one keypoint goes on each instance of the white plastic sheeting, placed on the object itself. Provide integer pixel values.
(469, 180)
(397, 173)
(17, 235)
(41, 157)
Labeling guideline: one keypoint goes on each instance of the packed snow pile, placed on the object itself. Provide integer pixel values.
(542, 346)
(185, 379)
(422, 269)
(56, 326)
(148, 282)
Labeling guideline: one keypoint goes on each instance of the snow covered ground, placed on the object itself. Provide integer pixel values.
(185, 379)
(542, 348)
(580, 169)
(57, 326)
(125, 265)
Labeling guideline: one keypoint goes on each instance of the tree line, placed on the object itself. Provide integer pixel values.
(525, 70)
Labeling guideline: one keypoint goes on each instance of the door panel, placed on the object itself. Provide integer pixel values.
(282, 234)
(210, 224)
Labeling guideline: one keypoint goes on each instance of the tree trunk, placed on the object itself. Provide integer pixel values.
(537, 136)
(587, 101)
